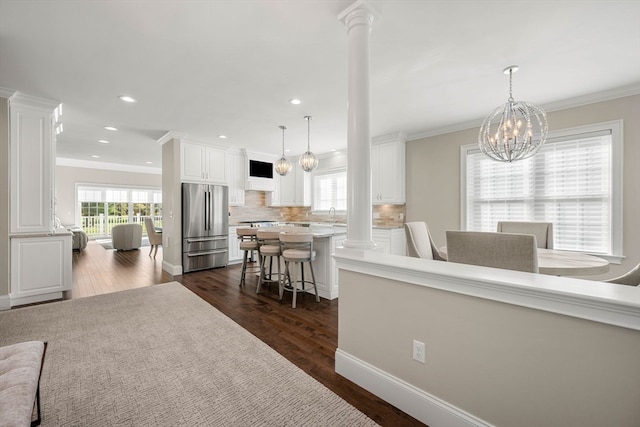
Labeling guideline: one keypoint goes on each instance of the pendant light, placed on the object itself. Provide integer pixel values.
(308, 161)
(515, 130)
(282, 165)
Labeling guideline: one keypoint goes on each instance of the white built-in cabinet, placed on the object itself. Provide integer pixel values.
(236, 174)
(32, 165)
(390, 240)
(40, 255)
(388, 169)
(293, 189)
(235, 254)
(40, 268)
(203, 163)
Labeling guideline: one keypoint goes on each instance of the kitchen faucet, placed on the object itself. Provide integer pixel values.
(332, 214)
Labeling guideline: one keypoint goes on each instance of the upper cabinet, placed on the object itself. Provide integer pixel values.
(295, 187)
(203, 163)
(236, 174)
(33, 154)
(388, 169)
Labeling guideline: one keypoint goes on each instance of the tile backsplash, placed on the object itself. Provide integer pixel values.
(255, 209)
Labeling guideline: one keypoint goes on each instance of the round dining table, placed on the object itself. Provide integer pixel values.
(564, 263)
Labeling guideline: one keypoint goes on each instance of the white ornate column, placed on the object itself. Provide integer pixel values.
(358, 19)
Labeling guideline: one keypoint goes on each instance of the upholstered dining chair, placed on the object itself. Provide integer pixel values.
(155, 237)
(419, 241)
(542, 230)
(631, 278)
(499, 250)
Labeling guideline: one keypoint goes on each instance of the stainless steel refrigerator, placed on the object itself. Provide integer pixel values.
(205, 226)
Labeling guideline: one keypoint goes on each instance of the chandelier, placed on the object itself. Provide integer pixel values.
(282, 165)
(308, 161)
(515, 130)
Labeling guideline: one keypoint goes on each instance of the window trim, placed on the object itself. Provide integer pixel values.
(324, 171)
(617, 154)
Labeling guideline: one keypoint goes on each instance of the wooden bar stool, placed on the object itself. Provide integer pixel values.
(268, 248)
(248, 244)
(297, 249)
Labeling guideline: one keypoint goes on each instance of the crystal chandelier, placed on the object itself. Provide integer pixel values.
(513, 131)
(308, 161)
(282, 165)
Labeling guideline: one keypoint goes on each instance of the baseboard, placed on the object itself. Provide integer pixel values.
(416, 402)
(5, 302)
(174, 270)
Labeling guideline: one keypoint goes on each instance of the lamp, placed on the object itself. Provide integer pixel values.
(307, 161)
(282, 165)
(513, 131)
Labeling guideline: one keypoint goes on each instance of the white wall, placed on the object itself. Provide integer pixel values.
(433, 173)
(67, 177)
(488, 361)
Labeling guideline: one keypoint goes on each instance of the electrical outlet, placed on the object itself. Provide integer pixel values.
(418, 351)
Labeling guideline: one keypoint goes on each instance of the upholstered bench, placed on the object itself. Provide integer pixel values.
(20, 369)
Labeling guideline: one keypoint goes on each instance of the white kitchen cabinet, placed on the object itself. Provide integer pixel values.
(235, 254)
(272, 198)
(236, 165)
(32, 165)
(388, 170)
(203, 163)
(40, 268)
(390, 240)
(295, 187)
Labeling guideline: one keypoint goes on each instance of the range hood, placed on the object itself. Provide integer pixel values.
(260, 174)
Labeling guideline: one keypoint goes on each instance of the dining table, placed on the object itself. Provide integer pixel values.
(557, 262)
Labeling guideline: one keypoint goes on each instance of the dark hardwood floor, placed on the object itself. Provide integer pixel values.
(307, 335)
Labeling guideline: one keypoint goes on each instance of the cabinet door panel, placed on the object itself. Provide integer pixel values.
(192, 162)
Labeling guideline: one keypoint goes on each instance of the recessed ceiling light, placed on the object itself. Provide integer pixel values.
(103, 141)
(127, 98)
(110, 128)
(95, 157)
(295, 101)
(222, 136)
(149, 163)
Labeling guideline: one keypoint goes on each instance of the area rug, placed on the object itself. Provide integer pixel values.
(108, 244)
(161, 356)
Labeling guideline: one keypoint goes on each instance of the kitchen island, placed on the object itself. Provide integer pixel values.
(326, 238)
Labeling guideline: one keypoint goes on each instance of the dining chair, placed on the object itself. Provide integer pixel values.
(542, 230)
(155, 237)
(499, 250)
(419, 241)
(631, 278)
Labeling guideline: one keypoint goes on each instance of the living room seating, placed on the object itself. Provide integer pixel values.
(542, 230)
(498, 250)
(20, 371)
(155, 237)
(79, 239)
(125, 237)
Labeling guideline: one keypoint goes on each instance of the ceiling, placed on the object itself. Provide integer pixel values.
(218, 67)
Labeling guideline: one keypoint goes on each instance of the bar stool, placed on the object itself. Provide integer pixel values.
(297, 249)
(268, 247)
(248, 244)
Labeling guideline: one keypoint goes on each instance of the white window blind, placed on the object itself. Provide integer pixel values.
(569, 182)
(330, 191)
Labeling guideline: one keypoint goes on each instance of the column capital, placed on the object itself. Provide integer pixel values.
(360, 12)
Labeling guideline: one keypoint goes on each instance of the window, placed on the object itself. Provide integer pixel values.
(101, 208)
(574, 181)
(330, 190)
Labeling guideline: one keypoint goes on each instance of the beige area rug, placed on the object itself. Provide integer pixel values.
(161, 356)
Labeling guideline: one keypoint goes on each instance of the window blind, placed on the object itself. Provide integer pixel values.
(568, 182)
(330, 190)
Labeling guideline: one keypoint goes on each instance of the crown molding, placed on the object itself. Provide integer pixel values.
(607, 95)
(87, 164)
(5, 92)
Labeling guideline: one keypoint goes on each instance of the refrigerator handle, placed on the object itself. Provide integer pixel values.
(206, 209)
